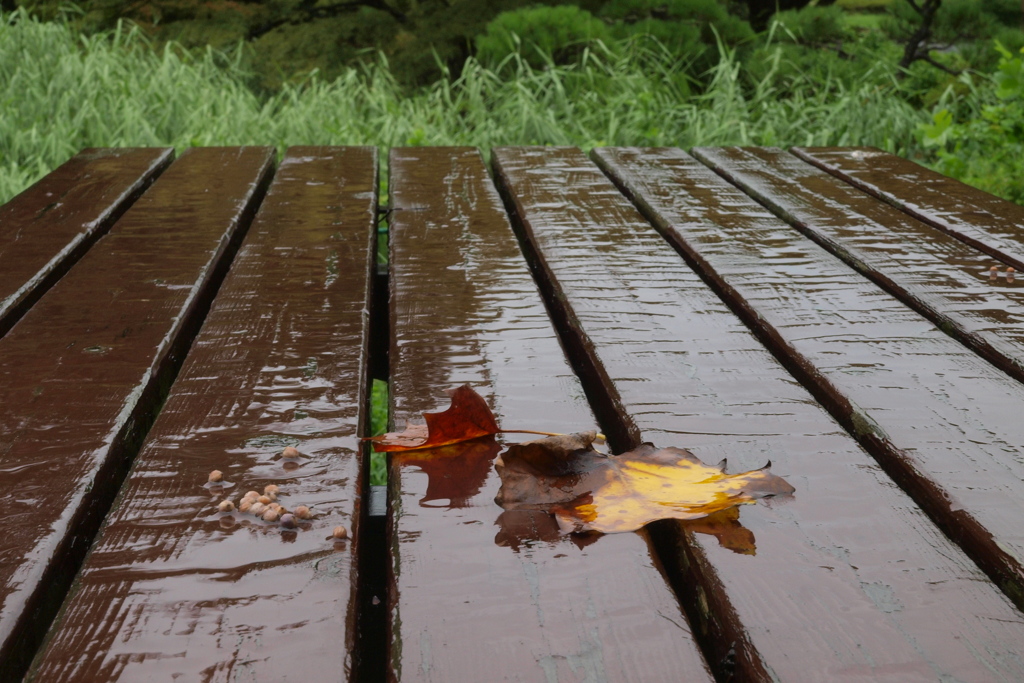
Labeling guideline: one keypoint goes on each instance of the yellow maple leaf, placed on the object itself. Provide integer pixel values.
(590, 491)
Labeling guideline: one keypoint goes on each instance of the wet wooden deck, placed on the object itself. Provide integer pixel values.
(843, 313)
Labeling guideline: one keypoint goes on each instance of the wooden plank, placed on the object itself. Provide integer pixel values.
(188, 593)
(47, 228)
(986, 222)
(939, 419)
(83, 372)
(848, 579)
(942, 278)
(478, 595)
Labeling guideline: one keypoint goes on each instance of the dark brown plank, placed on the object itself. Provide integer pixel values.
(478, 595)
(942, 278)
(280, 361)
(188, 593)
(83, 372)
(993, 225)
(848, 579)
(47, 228)
(939, 419)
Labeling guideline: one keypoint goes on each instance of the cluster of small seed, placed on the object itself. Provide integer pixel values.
(265, 505)
(993, 273)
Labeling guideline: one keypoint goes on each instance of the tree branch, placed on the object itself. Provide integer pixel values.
(939, 65)
(913, 49)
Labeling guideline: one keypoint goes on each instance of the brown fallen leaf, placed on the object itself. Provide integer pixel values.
(467, 418)
(590, 491)
(455, 472)
(524, 527)
(726, 527)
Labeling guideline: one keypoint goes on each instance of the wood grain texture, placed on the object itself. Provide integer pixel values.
(986, 222)
(173, 589)
(845, 581)
(478, 594)
(47, 228)
(83, 372)
(944, 423)
(942, 278)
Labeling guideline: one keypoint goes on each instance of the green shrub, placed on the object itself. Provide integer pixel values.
(541, 35)
(811, 25)
(1006, 12)
(709, 17)
(982, 57)
(869, 61)
(955, 21)
(987, 149)
(691, 30)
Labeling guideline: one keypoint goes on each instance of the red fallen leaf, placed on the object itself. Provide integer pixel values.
(590, 491)
(467, 418)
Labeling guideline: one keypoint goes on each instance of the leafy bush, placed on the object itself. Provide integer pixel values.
(811, 25)
(1007, 12)
(709, 17)
(982, 57)
(868, 61)
(541, 35)
(691, 30)
(987, 149)
(955, 21)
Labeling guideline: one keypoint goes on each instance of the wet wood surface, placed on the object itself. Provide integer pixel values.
(47, 228)
(936, 416)
(184, 591)
(946, 280)
(846, 580)
(656, 300)
(988, 223)
(81, 374)
(478, 594)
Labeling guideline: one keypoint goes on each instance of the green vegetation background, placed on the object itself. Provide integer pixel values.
(618, 72)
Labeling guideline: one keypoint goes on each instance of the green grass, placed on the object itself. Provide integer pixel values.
(378, 425)
(60, 92)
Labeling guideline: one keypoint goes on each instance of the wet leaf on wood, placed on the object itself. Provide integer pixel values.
(467, 418)
(589, 491)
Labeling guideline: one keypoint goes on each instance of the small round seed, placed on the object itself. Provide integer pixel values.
(270, 515)
(216, 476)
(252, 494)
(244, 505)
(258, 509)
(303, 512)
(340, 532)
(271, 489)
(290, 452)
(266, 500)
(288, 521)
(226, 506)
